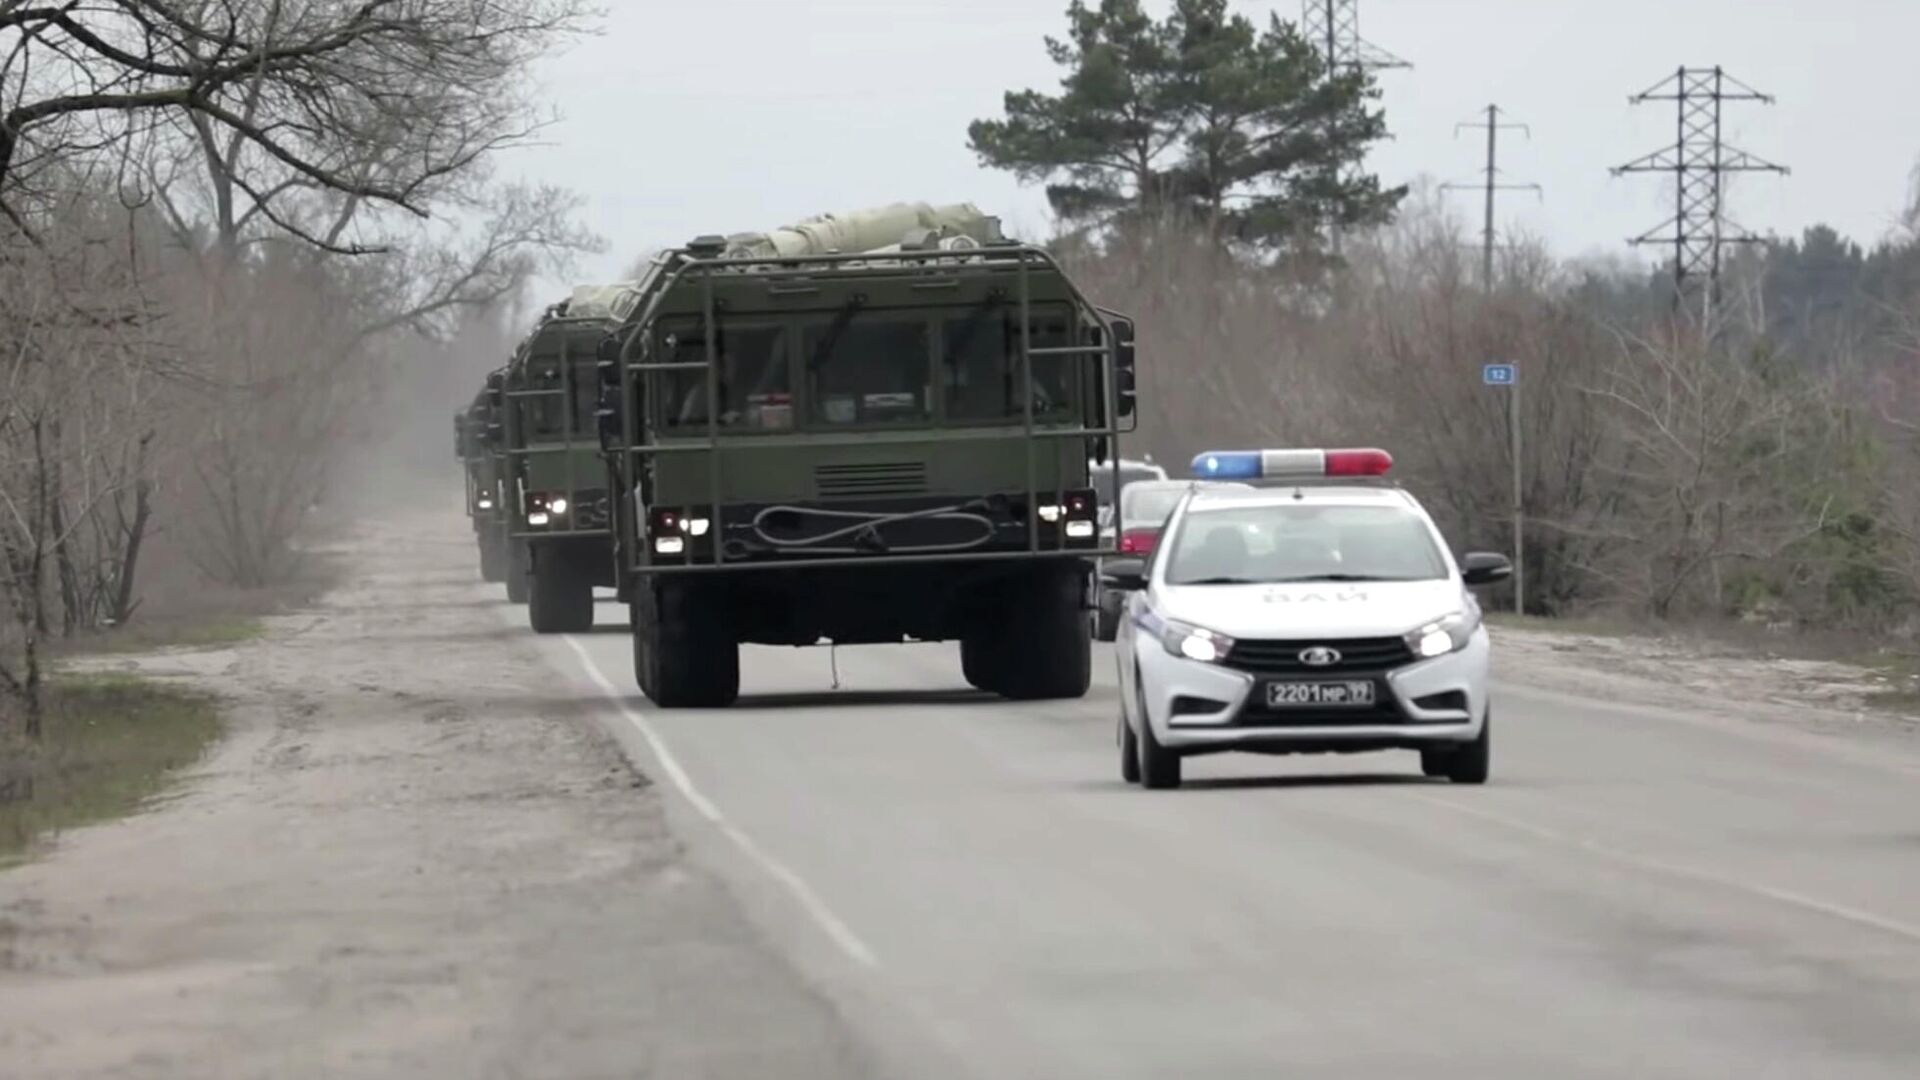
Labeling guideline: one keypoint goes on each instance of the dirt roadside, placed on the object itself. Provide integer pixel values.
(403, 861)
(1693, 674)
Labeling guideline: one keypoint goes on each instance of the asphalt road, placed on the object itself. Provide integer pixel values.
(1638, 893)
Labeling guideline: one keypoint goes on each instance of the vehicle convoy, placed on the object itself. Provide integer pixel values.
(860, 429)
(1143, 509)
(485, 509)
(1324, 615)
(554, 480)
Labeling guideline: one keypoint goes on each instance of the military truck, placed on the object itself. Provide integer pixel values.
(485, 509)
(861, 429)
(555, 481)
(517, 567)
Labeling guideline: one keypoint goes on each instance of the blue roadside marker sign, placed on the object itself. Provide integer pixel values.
(1499, 374)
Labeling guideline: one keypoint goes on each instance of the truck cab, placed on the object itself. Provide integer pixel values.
(557, 505)
(884, 446)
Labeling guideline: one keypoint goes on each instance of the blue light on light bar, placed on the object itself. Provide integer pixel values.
(1227, 465)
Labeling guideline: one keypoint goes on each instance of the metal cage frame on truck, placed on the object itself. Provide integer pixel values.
(521, 451)
(701, 263)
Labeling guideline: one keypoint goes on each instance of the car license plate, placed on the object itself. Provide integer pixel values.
(1311, 695)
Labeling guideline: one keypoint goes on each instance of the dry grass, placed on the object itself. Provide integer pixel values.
(112, 743)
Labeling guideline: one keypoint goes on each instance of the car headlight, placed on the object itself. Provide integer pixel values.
(558, 505)
(1191, 642)
(1444, 635)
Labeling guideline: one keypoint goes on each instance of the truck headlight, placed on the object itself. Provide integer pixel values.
(557, 505)
(1191, 642)
(1444, 635)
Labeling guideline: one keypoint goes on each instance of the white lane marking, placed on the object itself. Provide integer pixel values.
(1781, 896)
(835, 928)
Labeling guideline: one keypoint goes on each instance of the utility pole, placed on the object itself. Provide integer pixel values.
(1699, 160)
(1333, 26)
(1491, 184)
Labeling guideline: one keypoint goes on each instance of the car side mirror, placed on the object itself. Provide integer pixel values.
(1485, 568)
(1126, 575)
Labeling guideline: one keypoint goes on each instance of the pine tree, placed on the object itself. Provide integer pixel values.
(1202, 118)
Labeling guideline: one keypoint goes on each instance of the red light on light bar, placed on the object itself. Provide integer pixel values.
(1358, 462)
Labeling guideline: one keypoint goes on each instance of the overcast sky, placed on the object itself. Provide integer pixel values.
(729, 115)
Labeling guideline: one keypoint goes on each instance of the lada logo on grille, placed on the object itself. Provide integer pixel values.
(1319, 656)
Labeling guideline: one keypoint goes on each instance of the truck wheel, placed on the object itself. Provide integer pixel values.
(1106, 620)
(977, 662)
(683, 650)
(561, 600)
(493, 560)
(1046, 646)
(519, 571)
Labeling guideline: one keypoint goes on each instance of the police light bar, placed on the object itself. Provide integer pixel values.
(1289, 464)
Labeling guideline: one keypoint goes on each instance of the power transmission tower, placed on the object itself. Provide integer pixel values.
(1333, 26)
(1491, 184)
(1699, 160)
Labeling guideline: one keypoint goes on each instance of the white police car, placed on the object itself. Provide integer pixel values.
(1319, 614)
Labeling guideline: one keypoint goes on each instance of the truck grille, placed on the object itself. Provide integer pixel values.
(1283, 657)
(883, 478)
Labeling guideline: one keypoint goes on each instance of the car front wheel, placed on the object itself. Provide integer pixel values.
(1468, 763)
(1159, 766)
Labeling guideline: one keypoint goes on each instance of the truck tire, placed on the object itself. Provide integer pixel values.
(977, 662)
(493, 558)
(684, 654)
(1046, 646)
(1106, 619)
(561, 596)
(519, 571)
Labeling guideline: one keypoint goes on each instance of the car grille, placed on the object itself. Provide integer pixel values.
(880, 478)
(1283, 657)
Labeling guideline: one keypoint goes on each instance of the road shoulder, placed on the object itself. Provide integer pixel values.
(411, 855)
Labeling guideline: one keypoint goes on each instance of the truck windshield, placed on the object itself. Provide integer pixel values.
(980, 359)
(866, 366)
(543, 412)
(754, 391)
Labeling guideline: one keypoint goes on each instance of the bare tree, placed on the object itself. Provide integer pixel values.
(374, 101)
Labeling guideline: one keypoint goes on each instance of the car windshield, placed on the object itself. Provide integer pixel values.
(1303, 543)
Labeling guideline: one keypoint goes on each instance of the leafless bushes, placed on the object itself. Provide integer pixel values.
(218, 220)
(1665, 472)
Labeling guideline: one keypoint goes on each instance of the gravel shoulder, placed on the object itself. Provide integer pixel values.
(410, 857)
(1695, 675)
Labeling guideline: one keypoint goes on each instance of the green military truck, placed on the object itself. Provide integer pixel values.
(554, 479)
(485, 506)
(861, 429)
